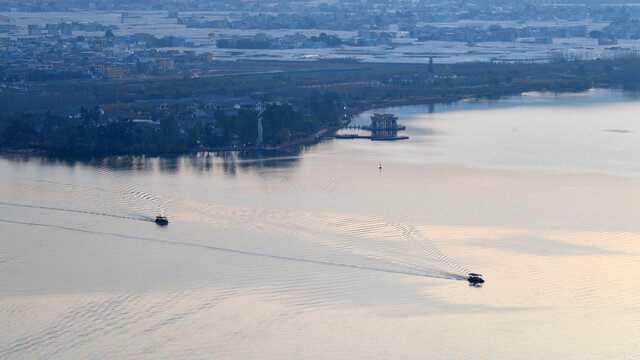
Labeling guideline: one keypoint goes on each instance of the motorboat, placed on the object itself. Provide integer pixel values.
(475, 278)
(162, 220)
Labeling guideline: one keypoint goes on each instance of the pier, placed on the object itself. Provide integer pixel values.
(383, 127)
(368, 127)
(374, 138)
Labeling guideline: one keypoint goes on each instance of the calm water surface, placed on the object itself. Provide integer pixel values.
(321, 255)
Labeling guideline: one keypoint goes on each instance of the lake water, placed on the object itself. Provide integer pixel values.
(322, 255)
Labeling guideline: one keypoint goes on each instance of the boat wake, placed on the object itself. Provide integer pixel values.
(138, 218)
(429, 274)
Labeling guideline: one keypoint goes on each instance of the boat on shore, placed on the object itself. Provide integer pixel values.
(162, 220)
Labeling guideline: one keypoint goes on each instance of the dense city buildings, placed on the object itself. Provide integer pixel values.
(124, 39)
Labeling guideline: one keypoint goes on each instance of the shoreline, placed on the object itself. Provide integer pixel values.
(291, 146)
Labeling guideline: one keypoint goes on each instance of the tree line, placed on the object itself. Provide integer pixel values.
(88, 135)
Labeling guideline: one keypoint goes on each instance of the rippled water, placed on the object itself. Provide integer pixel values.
(322, 255)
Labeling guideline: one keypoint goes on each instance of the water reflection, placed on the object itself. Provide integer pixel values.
(229, 161)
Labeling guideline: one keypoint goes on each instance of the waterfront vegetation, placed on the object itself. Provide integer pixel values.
(296, 103)
(86, 135)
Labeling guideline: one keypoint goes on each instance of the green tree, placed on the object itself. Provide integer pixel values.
(247, 125)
